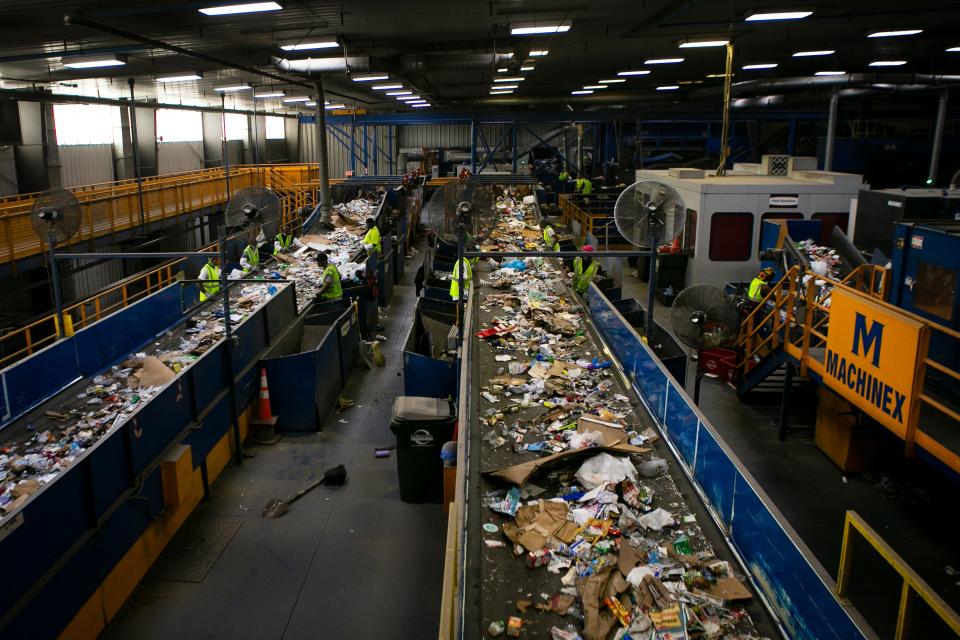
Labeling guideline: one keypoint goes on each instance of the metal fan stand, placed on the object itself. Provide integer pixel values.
(698, 318)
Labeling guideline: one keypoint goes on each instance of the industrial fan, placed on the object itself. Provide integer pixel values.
(702, 318)
(444, 208)
(55, 218)
(253, 208)
(648, 213)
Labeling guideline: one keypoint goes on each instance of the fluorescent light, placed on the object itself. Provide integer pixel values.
(502, 70)
(249, 7)
(718, 75)
(185, 78)
(953, 50)
(335, 106)
(239, 87)
(399, 93)
(612, 81)
(526, 68)
(778, 15)
(668, 87)
(808, 54)
(92, 62)
(307, 46)
(539, 53)
(527, 31)
(419, 102)
(894, 34)
(407, 98)
(497, 87)
(310, 104)
(369, 78)
(514, 79)
(637, 72)
(887, 63)
(297, 99)
(762, 65)
(272, 94)
(421, 105)
(501, 93)
(830, 73)
(697, 44)
(596, 86)
(581, 93)
(663, 61)
(384, 87)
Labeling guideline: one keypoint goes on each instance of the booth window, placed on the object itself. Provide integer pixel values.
(776, 215)
(934, 290)
(831, 220)
(731, 237)
(690, 233)
(274, 127)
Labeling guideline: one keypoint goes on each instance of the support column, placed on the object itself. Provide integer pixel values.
(473, 147)
(792, 137)
(938, 137)
(136, 152)
(223, 142)
(320, 123)
(514, 143)
(127, 169)
(51, 152)
(831, 131)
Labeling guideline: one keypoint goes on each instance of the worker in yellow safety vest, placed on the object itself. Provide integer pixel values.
(210, 275)
(467, 276)
(759, 286)
(564, 176)
(282, 243)
(584, 186)
(372, 239)
(331, 288)
(581, 275)
(550, 237)
(250, 259)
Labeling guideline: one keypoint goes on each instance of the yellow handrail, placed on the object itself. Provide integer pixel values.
(913, 584)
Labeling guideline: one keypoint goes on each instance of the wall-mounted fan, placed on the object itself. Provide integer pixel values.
(702, 318)
(649, 213)
(253, 208)
(55, 218)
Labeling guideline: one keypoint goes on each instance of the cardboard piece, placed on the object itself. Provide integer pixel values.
(729, 590)
(612, 433)
(154, 373)
(598, 620)
(629, 558)
(520, 473)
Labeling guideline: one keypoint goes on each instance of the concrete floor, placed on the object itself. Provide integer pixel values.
(906, 502)
(345, 562)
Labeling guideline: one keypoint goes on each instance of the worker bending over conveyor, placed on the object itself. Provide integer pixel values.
(282, 243)
(550, 237)
(331, 288)
(759, 286)
(371, 241)
(583, 274)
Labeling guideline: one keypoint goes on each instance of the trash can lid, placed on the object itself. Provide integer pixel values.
(417, 408)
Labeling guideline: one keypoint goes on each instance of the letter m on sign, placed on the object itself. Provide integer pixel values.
(867, 339)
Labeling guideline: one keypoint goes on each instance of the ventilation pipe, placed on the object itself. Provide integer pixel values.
(938, 137)
(320, 123)
(831, 130)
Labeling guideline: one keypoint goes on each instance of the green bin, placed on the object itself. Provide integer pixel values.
(422, 426)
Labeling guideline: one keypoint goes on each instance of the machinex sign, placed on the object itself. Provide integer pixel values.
(871, 358)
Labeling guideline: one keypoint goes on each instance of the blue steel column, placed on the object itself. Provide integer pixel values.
(473, 146)
(516, 138)
(366, 157)
(353, 141)
(376, 153)
(390, 145)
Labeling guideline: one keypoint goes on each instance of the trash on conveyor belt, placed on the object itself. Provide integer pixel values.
(53, 440)
(574, 499)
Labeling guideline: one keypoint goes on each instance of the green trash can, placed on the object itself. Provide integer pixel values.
(422, 426)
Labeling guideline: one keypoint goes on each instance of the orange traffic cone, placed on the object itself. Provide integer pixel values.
(265, 425)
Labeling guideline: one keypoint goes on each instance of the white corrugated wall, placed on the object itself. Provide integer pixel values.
(177, 157)
(83, 164)
(338, 145)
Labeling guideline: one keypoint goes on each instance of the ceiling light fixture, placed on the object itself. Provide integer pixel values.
(809, 54)
(369, 78)
(186, 78)
(663, 61)
(384, 87)
(308, 46)
(887, 63)
(399, 93)
(581, 93)
(248, 7)
(272, 94)
(310, 104)
(953, 50)
(611, 81)
(894, 34)
(830, 73)
(668, 87)
(534, 30)
(238, 87)
(497, 87)
(596, 86)
(502, 70)
(637, 72)
(513, 79)
(297, 99)
(526, 68)
(762, 65)
(334, 106)
(421, 105)
(718, 75)
(501, 92)
(539, 53)
(408, 98)
(778, 15)
(93, 62)
(699, 44)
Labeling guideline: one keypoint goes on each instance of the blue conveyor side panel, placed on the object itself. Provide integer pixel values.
(788, 575)
(428, 377)
(29, 382)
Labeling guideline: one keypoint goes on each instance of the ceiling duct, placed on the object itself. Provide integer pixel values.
(869, 81)
(322, 65)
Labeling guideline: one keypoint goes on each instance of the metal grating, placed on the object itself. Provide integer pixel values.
(778, 166)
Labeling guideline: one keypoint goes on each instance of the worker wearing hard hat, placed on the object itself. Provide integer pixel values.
(210, 277)
(550, 237)
(584, 273)
(455, 281)
(330, 287)
(371, 241)
(759, 286)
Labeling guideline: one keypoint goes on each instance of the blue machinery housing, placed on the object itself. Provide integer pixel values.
(784, 571)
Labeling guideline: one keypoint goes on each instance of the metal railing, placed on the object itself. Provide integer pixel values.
(913, 585)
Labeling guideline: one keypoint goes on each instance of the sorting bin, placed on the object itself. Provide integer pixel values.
(422, 426)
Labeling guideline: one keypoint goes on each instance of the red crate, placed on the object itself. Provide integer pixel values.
(719, 362)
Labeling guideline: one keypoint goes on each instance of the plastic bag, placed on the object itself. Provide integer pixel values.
(603, 468)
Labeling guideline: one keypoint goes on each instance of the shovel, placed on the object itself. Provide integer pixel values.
(332, 477)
